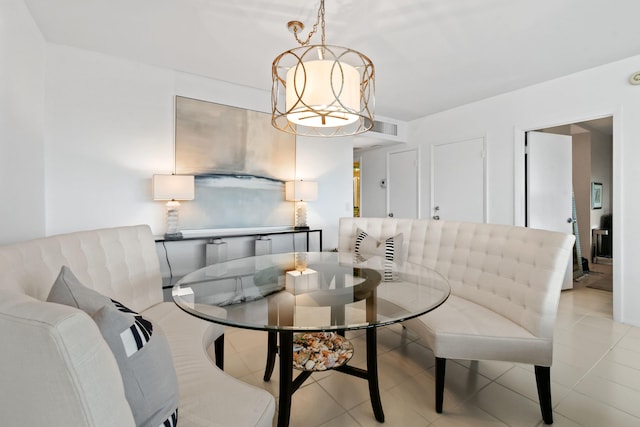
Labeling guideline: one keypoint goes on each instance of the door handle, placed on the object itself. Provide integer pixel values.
(390, 214)
(571, 220)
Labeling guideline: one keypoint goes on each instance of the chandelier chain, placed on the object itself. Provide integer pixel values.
(314, 29)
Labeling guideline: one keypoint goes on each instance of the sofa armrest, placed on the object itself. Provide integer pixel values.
(56, 368)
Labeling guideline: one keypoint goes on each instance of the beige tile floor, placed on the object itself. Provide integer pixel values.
(595, 377)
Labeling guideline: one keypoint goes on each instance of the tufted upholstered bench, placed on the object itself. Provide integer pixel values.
(56, 368)
(505, 287)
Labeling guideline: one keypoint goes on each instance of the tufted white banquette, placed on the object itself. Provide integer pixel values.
(505, 287)
(56, 368)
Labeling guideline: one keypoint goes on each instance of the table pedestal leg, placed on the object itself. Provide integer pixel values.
(286, 378)
(372, 374)
(288, 386)
(272, 350)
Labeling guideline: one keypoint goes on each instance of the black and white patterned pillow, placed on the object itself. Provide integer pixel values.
(366, 246)
(172, 421)
(389, 250)
(140, 349)
(138, 334)
(145, 364)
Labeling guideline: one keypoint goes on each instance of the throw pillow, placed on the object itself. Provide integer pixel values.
(68, 290)
(366, 246)
(145, 363)
(140, 349)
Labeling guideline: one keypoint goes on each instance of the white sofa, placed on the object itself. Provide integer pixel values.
(505, 286)
(56, 368)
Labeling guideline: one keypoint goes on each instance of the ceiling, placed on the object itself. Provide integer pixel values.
(430, 55)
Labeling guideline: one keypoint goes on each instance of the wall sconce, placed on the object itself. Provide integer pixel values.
(301, 192)
(173, 188)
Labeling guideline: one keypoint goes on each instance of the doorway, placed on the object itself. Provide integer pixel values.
(592, 174)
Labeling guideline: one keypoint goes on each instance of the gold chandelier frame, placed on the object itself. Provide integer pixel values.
(294, 88)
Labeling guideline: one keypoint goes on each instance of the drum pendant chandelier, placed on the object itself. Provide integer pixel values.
(322, 90)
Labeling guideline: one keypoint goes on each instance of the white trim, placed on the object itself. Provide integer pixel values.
(617, 217)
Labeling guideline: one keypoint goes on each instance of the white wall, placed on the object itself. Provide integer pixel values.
(586, 95)
(329, 161)
(82, 133)
(110, 127)
(22, 213)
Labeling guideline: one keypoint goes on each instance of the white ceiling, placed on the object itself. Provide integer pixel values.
(430, 55)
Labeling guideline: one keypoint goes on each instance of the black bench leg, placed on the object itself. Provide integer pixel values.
(441, 364)
(543, 381)
(218, 348)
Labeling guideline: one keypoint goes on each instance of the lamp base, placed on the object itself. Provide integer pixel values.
(173, 236)
(301, 227)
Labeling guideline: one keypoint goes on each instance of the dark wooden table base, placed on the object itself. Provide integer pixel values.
(288, 386)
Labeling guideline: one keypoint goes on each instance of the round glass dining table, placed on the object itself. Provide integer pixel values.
(289, 294)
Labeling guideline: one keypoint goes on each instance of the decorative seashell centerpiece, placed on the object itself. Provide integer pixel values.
(319, 351)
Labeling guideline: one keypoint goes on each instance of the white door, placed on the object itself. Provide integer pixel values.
(549, 186)
(402, 184)
(458, 181)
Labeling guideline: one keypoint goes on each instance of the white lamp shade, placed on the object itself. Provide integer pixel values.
(323, 93)
(301, 191)
(173, 187)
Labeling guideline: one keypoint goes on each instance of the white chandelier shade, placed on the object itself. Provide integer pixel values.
(323, 85)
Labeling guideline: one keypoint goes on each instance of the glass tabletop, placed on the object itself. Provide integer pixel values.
(310, 291)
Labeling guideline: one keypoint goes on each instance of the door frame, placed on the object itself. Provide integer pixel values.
(418, 150)
(519, 183)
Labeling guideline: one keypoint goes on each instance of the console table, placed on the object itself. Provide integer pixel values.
(212, 235)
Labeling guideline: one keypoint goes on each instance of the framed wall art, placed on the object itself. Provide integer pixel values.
(240, 163)
(596, 195)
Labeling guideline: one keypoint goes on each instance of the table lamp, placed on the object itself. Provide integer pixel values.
(301, 192)
(173, 188)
